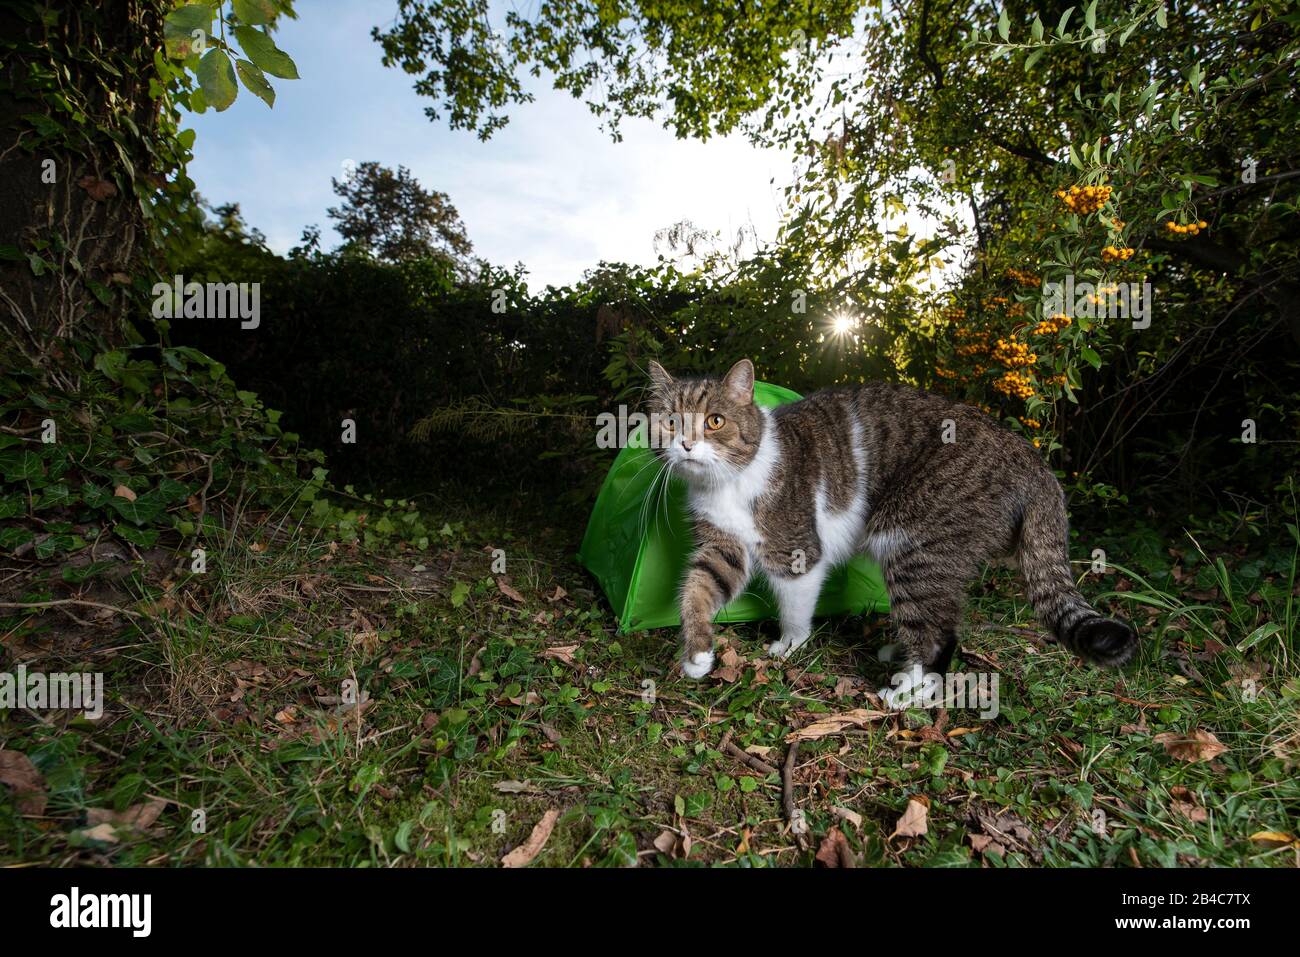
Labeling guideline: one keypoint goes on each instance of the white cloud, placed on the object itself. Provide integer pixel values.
(550, 190)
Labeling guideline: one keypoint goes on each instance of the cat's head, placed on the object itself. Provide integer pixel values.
(708, 429)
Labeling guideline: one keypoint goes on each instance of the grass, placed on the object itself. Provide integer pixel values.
(306, 703)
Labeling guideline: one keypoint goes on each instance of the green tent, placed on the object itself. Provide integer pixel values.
(638, 548)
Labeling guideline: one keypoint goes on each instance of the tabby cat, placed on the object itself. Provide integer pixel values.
(930, 488)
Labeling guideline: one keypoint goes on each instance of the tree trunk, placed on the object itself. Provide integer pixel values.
(77, 123)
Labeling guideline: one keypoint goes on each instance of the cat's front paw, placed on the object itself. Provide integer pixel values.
(787, 645)
(697, 665)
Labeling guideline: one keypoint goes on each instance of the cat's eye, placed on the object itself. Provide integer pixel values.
(669, 422)
(714, 422)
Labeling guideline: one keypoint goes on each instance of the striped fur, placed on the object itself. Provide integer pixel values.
(796, 490)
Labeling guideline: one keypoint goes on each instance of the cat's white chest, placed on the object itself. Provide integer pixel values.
(729, 507)
(730, 514)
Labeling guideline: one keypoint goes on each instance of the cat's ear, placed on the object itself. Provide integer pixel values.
(739, 381)
(660, 380)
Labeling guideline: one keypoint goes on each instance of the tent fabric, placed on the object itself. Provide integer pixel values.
(639, 541)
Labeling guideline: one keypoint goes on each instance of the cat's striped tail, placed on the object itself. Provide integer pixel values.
(1044, 559)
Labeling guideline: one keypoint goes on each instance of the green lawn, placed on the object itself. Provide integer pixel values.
(480, 713)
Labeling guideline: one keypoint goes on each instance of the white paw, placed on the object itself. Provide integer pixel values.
(914, 688)
(887, 652)
(698, 665)
(787, 646)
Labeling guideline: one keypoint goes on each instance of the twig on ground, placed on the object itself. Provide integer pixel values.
(752, 760)
(797, 826)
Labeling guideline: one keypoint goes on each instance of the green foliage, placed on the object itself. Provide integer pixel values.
(967, 121)
(210, 54)
(390, 216)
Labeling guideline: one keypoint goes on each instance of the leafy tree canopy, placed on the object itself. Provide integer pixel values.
(390, 216)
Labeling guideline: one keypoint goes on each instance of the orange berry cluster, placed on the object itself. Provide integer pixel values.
(1013, 354)
(1191, 229)
(952, 313)
(1084, 199)
(943, 372)
(1030, 423)
(974, 342)
(1056, 379)
(1022, 276)
(1116, 254)
(1053, 325)
(1015, 310)
(1015, 384)
(1115, 224)
(1103, 294)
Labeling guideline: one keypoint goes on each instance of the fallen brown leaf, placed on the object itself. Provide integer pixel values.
(915, 819)
(139, 817)
(835, 850)
(1200, 745)
(853, 817)
(523, 855)
(858, 718)
(1192, 812)
(509, 591)
(18, 772)
(730, 666)
(562, 653)
(123, 492)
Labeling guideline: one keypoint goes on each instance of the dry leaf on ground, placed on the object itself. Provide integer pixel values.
(509, 591)
(853, 817)
(138, 816)
(523, 855)
(915, 820)
(562, 653)
(729, 667)
(1199, 745)
(835, 850)
(18, 772)
(857, 718)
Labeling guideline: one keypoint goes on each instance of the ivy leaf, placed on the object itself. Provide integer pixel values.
(217, 79)
(255, 82)
(261, 49)
(254, 11)
(21, 466)
(142, 511)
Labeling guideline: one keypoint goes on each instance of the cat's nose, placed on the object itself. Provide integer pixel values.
(686, 445)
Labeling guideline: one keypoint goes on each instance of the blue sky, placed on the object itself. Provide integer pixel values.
(550, 190)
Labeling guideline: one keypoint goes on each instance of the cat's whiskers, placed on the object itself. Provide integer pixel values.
(648, 498)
